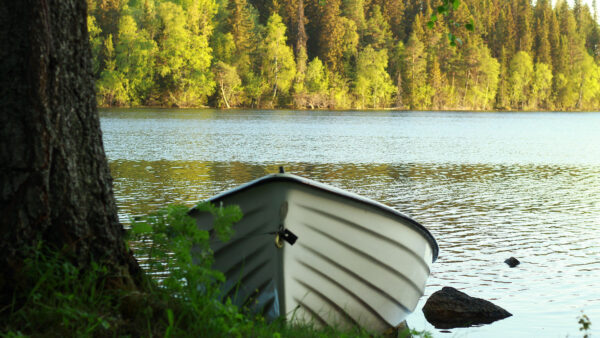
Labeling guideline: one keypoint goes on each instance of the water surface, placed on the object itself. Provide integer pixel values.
(487, 185)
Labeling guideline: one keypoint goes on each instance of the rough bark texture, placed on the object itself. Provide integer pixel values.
(449, 308)
(55, 183)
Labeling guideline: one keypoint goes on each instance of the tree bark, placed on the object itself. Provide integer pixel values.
(55, 183)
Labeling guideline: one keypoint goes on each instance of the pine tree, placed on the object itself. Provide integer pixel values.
(355, 11)
(505, 33)
(415, 63)
(471, 61)
(542, 47)
(331, 49)
(436, 80)
(524, 24)
(397, 71)
(108, 13)
(377, 33)
(241, 25)
(554, 39)
(502, 96)
(393, 13)
(288, 10)
(301, 54)
(418, 27)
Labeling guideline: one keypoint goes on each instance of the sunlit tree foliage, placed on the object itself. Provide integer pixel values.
(450, 54)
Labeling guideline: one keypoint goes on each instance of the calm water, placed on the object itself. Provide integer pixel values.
(487, 185)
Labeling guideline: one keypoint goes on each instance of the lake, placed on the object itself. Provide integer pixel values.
(487, 185)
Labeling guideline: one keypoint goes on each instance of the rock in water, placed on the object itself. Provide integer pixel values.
(512, 262)
(449, 308)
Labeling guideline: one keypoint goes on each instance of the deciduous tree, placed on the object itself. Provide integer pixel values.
(183, 60)
(278, 66)
(228, 82)
(520, 74)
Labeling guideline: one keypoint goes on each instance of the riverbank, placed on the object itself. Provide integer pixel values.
(290, 108)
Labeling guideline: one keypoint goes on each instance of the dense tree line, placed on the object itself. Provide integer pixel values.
(346, 54)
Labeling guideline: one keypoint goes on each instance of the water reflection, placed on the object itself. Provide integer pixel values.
(548, 216)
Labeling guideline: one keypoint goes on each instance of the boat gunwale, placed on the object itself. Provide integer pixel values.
(291, 178)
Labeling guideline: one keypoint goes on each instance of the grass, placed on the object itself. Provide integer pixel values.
(181, 297)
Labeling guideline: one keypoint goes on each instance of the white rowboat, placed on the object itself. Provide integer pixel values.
(315, 253)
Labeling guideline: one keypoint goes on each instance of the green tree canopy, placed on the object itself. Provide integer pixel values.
(184, 59)
(278, 66)
(373, 84)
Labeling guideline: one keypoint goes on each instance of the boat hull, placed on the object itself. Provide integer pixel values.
(355, 262)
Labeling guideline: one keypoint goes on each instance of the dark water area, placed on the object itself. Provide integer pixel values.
(487, 185)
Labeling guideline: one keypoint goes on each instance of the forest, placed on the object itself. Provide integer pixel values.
(346, 54)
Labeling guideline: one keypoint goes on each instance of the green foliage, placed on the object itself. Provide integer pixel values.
(180, 251)
(355, 11)
(316, 78)
(241, 24)
(541, 85)
(184, 59)
(483, 77)
(414, 65)
(377, 33)
(339, 90)
(520, 72)
(314, 89)
(229, 84)
(111, 85)
(445, 9)
(56, 298)
(586, 78)
(95, 43)
(167, 52)
(278, 66)
(129, 67)
(135, 56)
(223, 46)
(254, 87)
(373, 84)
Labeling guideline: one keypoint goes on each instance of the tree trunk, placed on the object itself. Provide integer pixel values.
(399, 103)
(301, 38)
(580, 98)
(223, 94)
(55, 184)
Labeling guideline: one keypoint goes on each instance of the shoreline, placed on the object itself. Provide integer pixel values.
(458, 110)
